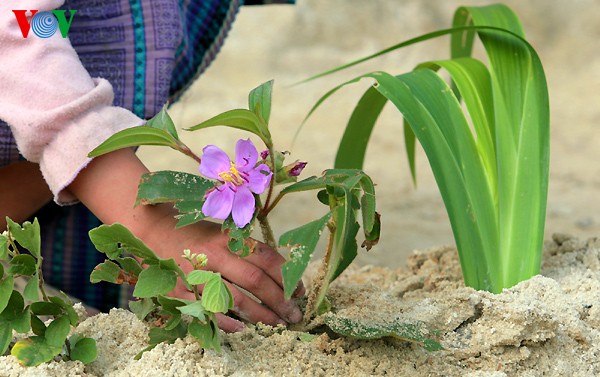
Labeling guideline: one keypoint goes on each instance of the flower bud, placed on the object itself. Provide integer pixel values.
(296, 168)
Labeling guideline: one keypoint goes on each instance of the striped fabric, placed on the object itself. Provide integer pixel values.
(150, 51)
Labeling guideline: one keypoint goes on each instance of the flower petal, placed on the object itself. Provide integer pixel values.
(245, 155)
(214, 161)
(257, 180)
(243, 207)
(219, 202)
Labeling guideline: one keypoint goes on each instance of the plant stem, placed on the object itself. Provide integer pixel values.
(41, 281)
(313, 300)
(272, 183)
(265, 227)
(196, 293)
(187, 151)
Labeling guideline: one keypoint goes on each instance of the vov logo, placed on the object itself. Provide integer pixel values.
(44, 24)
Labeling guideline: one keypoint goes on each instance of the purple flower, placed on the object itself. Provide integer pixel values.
(237, 181)
(296, 168)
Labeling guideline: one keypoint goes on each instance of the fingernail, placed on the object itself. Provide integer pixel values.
(295, 316)
(299, 292)
(282, 322)
(240, 327)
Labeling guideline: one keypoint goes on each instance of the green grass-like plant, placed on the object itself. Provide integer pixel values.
(491, 160)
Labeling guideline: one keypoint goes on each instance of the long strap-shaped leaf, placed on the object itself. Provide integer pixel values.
(522, 136)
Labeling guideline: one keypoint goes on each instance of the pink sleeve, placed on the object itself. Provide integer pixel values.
(56, 111)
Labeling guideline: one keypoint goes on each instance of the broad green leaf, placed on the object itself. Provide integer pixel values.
(34, 351)
(155, 281)
(45, 308)
(57, 331)
(14, 316)
(241, 119)
(6, 333)
(37, 326)
(171, 186)
(6, 289)
(130, 265)
(206, 333)
(190, 212)
(133, 137)
(413, 331)
(259, 100)
(83, 349)
(194, 309)
(141, 308)
(67, 305)
(216, 296)
(302, 242)
(163, 121)
(27, 235)
(345, 247)
(22, 264)
(106, 271)
(115, 239)
(31, 290)
(158, 335)
(3, 247)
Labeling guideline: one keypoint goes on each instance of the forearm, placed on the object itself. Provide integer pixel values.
(22, 191)
(108, 187)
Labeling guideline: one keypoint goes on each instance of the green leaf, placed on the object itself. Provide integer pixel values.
(6, 289)
(27, 235)
(22, 264)
(158, 335)
(135, 136)
(34, 351)
(115, 239)
(3, 248)
(45, 308)
(83, 349)
(67, 305)
(413, 331)
(141, 308)
(106, 271)
(155, 281)
(190, 212)
(353, 146)
(31, 290)
(216, 296)
(163, 121)
(13, 317)
(37, 326)
(259, 100)
(194, 309)
(302, 242)
(57, 331)
(206, 333)
(171, 186)
(239, 242)
(241, 119)
(6, 333)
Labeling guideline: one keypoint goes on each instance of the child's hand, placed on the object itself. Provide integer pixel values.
(259, 274)
(108, 187)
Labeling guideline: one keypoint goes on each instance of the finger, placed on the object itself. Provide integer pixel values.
(224, 322)
(270, 261)
(256, 281)
(229, 324)
(250, 310)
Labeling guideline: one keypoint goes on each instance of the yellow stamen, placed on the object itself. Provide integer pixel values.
(232, 176)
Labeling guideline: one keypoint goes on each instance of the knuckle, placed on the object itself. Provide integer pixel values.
(255, 279)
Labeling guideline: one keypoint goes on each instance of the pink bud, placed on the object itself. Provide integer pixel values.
(296, 169)
(264, 154)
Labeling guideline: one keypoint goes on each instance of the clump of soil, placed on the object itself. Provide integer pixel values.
(548, 325)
